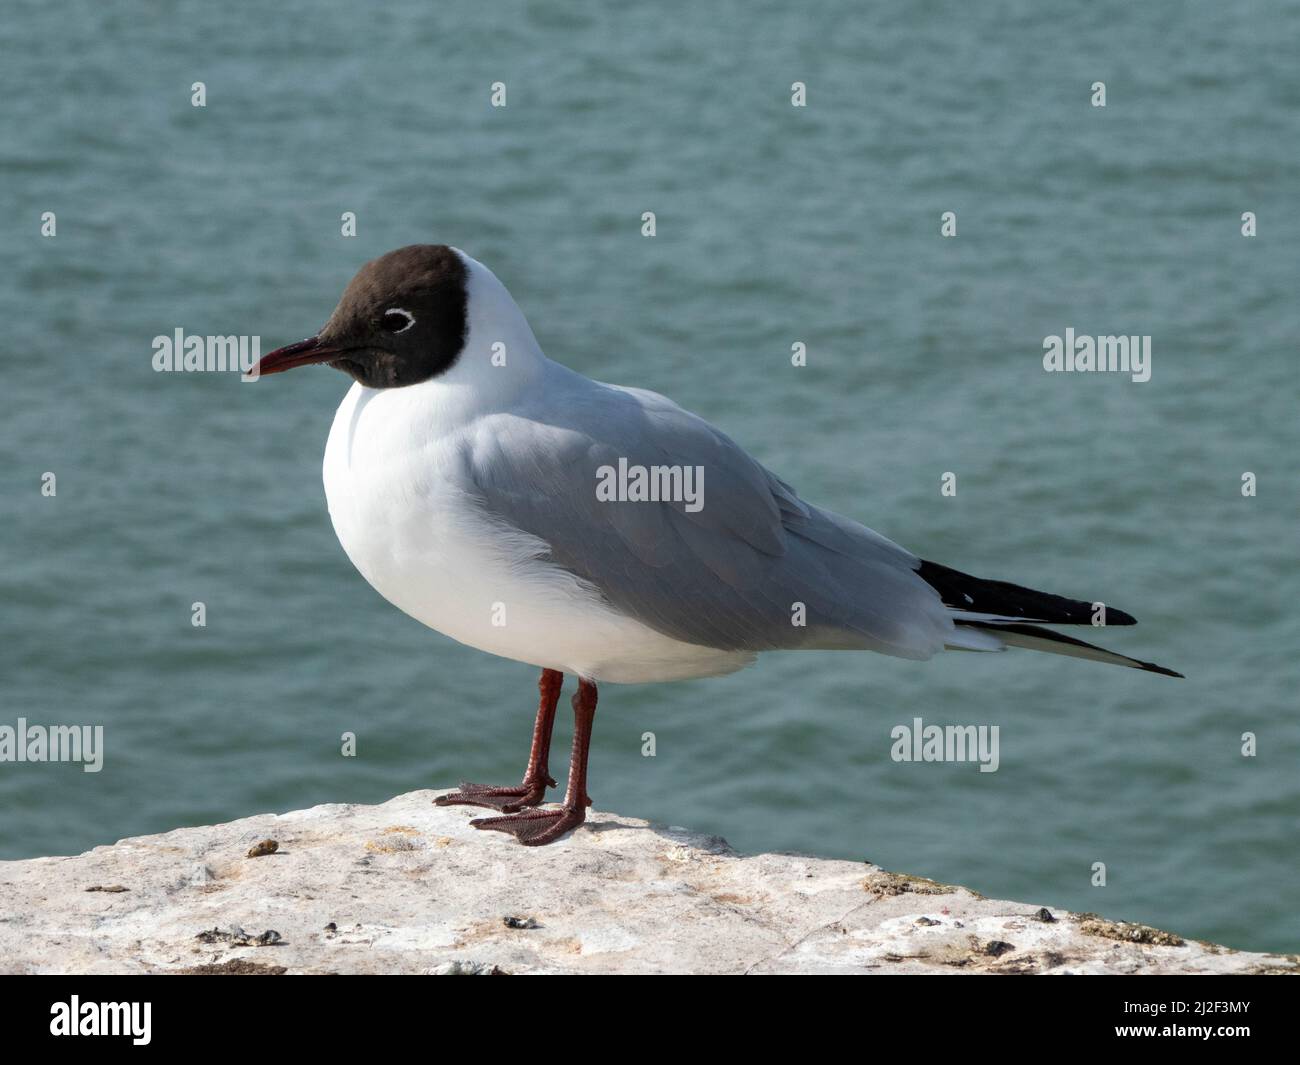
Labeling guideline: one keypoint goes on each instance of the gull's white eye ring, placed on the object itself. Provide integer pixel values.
(396, 320)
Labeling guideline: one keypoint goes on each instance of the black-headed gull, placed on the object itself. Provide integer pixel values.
(523, 509)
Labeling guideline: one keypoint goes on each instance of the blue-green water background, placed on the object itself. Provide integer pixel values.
(775, 224)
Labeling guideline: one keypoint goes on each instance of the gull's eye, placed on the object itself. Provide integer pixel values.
(396, 320)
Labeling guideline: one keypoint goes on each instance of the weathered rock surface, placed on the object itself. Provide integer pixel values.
(407, 887)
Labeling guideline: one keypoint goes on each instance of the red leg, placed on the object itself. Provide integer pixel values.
(535, 828)
(537, 778)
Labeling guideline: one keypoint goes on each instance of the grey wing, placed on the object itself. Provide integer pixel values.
(752, 568)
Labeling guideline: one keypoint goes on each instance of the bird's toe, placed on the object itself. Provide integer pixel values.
(535, 828)
(505, 799)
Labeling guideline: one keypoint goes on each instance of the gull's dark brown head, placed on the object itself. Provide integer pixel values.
(403, 319)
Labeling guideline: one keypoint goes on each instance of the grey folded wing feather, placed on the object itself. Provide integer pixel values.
(737, 574)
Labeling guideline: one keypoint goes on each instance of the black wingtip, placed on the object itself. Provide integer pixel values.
(1019, 634)
(961, 591)
(1151, 667)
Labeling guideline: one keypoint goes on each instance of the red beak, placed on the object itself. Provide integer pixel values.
(303, 353)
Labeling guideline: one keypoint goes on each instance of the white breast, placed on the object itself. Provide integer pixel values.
(401, 504)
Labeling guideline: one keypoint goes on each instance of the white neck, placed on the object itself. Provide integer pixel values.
(501, 357)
